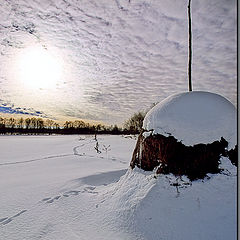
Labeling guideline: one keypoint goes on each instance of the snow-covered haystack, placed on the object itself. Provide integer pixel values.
(186, 134)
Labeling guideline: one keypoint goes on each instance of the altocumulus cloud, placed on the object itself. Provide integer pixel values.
(120, 56)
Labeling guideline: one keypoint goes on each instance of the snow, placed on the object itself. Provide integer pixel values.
(193, 118)
(59, 187)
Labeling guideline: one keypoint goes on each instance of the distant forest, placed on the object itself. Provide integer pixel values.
(40, 126)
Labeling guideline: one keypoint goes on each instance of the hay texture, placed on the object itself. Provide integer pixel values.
(187, 134)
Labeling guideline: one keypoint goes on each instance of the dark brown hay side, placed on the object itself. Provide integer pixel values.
(171, 156)
(233, 156)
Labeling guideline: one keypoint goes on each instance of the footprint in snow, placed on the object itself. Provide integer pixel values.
(45, 199)
(51, 200)
(90, 190)
(6, 220)
(3, 219)
(71, 193)
(74, 192)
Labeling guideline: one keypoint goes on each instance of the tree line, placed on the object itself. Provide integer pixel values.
(35, 125)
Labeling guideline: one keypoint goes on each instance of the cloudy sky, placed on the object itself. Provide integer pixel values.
(104, 60)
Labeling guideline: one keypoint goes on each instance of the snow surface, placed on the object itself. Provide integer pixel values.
(194, 117)
(59, 187)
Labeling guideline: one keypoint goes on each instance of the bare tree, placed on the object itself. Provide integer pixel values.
(56, 125)
(33, 123)
(79, 124)
(135, 122)
(99, 127)
(49, 123)
(20, 122)
(40, 123)
(2, 122)
(68, 124)
(27, 122)
(11, 122)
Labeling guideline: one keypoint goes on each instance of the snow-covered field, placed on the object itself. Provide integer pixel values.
(59, 187)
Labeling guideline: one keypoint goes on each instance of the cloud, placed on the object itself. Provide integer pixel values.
(119, 56)
(7, 108)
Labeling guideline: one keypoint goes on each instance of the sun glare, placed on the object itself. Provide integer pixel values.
(38, 68)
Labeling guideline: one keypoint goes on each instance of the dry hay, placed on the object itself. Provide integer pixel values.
(171, 156)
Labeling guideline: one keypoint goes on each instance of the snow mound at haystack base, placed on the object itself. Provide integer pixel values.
(193, 118)
(153, 207)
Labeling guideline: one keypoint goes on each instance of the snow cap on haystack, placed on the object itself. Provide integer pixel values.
(193, 118)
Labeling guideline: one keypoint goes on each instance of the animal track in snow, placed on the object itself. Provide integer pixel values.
(45, 199)
(3, 219)
(75, 152)
(88, 189)
(71, 193)
(35, 160)
(51, 200)
(6, 220)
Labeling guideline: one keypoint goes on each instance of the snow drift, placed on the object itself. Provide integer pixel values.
(169, 207)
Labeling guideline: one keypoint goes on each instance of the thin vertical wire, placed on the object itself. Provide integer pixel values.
(190, 47)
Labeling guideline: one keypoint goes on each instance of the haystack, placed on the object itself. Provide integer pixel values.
(186, 134)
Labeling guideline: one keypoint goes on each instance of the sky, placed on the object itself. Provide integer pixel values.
(103, 60)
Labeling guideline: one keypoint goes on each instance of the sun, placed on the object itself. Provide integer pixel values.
(38, 68)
